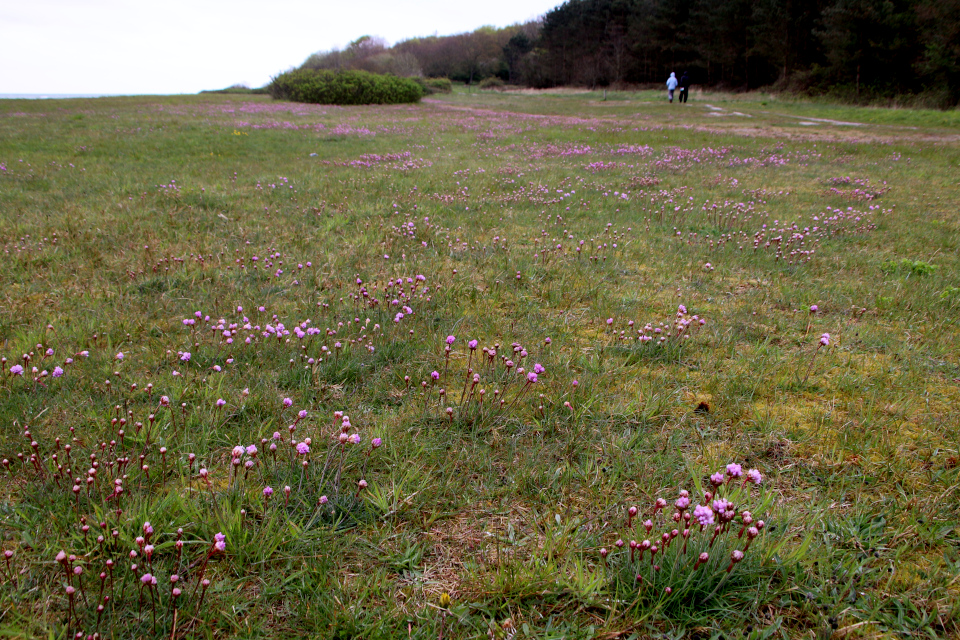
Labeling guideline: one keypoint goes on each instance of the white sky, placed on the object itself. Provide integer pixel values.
(183, 46)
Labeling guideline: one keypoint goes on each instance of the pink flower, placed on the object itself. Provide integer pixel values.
(825, 340)
(16, 370)
(267, 492)
(716, 479)
(376, 442)
(703, 515)
(303, 448)
(120, 356)
(451, 339)
(473, 345)
(754, 476)
(720, 505)
(734, 470)
(287, 402)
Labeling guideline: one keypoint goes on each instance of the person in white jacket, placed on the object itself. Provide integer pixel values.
(671, 85)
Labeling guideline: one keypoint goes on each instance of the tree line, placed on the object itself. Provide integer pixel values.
(860, 50)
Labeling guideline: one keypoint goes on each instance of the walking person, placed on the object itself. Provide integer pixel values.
(684, 87)
(671, 85)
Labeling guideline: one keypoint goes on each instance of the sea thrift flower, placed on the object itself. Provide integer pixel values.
(220, 543)
(703, 515)
(57, 372)
(734, 470)
(120, 356)
(287, 402)
(451, 339)
(303, 448)
(825, 340)
(376, 443)
(16, 370)
(754, 476)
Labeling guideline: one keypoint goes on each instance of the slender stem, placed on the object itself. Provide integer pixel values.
(810, 368)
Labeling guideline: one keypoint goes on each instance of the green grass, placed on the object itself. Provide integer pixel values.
(122, 217)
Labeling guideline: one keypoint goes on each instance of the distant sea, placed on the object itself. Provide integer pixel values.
(53, 96)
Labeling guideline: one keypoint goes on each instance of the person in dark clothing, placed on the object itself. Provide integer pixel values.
(684, 87)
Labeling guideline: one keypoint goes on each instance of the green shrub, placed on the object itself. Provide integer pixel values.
(492, 84)
(435, 85)
(322, 86)
(908, 267)
(440, 85)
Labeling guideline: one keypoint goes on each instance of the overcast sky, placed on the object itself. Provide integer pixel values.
(183, 46)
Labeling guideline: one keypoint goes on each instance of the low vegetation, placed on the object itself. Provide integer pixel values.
(488, 365)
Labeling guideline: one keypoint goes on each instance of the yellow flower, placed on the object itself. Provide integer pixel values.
(444, 599)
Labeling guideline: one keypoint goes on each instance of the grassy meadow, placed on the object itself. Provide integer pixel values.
(443, 370)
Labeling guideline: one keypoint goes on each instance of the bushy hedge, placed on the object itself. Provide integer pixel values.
(492, 84)
(435, 85)
(323, 86)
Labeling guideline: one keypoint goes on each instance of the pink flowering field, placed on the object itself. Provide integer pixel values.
(489, 366)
